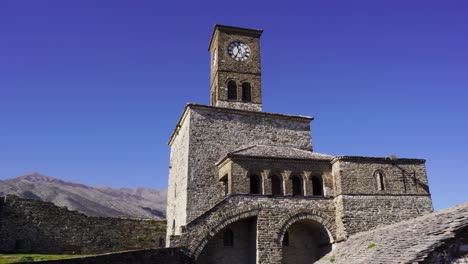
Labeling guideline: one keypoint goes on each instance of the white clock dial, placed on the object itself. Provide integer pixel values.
(239, 51)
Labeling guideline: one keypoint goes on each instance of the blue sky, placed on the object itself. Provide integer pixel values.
(90, 91)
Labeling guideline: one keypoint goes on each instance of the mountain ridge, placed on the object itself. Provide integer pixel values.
(94, 201)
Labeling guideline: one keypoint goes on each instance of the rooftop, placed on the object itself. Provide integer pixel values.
(409, 241)
(276, 152)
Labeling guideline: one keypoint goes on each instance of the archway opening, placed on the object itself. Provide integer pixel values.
(255, 185)
(307, 242)
(236, 243)
(296, 185)
(276, 185)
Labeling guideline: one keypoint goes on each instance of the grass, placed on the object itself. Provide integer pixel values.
(18, 258)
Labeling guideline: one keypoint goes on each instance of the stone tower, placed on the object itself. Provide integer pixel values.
(235, 78)
(245, 185)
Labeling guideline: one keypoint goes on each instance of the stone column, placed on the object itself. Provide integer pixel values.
(266, 182)
(306, 183)
(287, 184)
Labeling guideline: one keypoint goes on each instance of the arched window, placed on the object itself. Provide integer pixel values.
(228, 237)
(276, 185)
(317, 188)
(286, 239)
(246, 92)
(296, 185)
(232, 90)
(379, 176)
(255, 187)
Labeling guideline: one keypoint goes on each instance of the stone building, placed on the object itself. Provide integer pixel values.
(245, 186)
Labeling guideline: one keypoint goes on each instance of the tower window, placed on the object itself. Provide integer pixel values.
(228, 237)
(380, 180)
(255, 187)
(317, 188)
(296, 185)
(232, 90)
(246, 92)
(275, 185)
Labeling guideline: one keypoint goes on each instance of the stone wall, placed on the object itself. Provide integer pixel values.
(32, 226)
(150, 256)
(176, 211)
(216, 131)
(357, 175)
(365, 212)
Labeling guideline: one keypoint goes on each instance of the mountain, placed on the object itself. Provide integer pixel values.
(93, 201)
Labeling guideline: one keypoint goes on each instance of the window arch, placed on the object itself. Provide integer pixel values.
(317, 187)
(255, 185)
(246, 92)
(276, 185)
(380, 178)
(232, 90)
(296, 185)
(228, 237)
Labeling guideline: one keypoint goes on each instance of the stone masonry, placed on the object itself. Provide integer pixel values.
(32, 226)
(246, 187)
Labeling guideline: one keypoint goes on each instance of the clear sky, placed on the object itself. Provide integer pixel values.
(90, 91)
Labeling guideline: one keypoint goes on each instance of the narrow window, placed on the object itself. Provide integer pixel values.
(232, 90)
(255, 185)
(286, 239)
(380, 180)
(228, 237)
(226, 185)
(275, 185)
(173, 226)
(246, 92)
(296, 185)
(317, 188)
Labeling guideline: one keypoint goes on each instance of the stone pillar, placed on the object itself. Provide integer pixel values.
(268, 250)
(287, 184)
(266, 182)
(306, 183)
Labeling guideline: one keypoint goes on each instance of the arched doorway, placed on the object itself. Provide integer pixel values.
(235, 243)
(307, 241)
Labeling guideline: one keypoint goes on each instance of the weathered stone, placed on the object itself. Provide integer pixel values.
(33, 226)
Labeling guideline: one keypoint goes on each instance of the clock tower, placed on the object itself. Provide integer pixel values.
(235, 80)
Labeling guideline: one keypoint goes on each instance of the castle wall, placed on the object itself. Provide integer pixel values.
(32, 226)
(178, 173)
(215, 131)
(362, 212)
(357, 175)
(362, 206)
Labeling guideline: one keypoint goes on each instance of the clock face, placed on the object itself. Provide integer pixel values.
(239, 51)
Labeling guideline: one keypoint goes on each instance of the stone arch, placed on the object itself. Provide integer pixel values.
(327, 223)
(229, 218)
(309, 237)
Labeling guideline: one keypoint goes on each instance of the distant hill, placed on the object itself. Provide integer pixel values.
(93, 201)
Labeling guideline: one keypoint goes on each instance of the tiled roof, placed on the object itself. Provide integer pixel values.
(277, 152)
(409, 241)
